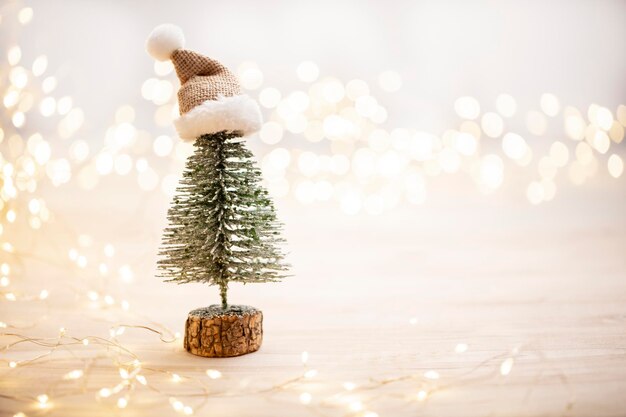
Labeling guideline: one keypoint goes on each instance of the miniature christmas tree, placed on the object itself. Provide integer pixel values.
(223, 227)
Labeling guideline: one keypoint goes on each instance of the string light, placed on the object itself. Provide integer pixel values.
(346, 117)
(349, 386)
(461, 348)
(43, 401)
(104, 392)
(311, 373)
(431, 374)
(506, 366)
(75, 374)
(306, 398)
(213, 373)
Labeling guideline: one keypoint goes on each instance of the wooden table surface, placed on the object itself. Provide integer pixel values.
(385, 304)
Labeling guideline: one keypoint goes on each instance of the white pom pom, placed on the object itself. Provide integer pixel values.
(164, 40)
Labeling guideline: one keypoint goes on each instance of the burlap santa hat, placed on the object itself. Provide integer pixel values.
(209, 98)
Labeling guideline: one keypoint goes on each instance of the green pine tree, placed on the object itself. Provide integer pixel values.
(223, 226)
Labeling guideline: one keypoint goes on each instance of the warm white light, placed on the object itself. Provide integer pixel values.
(124, 373)
(126, 273)
(124, 134)
(549, 104)
(461, 348)
(213, 373)
(250, 76)
(305, 398)
(14, 55)
(64, 105)
(615, 166)
(75, 374)
(49, 84)
(366, 106)
(163, 68)
(104, 393)
(355, 406)
(18, 119)
(349, 386)
(356, 89)
(559, 153)
(308, 71)
(492, 124)
(18, 77)
(25, 15)
(271, 133)
(104, 163)
(536, 123)
(304, 356)
(81, 261)
(333, 91)
(122, 402)
(43, 400)
(506, 366)
(466, 143)
(431, 374)
(269, 97)
(514, 146)
(575, 127)
(10, 99)
(601, 141)
(604, 118)
(467, 107)
(506, 105)
(59, 171)
(311, 373)
(422, 395)
(177, 405)
(79, 150)
(491, 171)
(47, 106)
(390, 81)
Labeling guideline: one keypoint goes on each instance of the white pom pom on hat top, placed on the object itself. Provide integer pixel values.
(164, 40)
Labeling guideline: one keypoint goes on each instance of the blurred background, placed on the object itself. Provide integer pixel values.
(437, 151)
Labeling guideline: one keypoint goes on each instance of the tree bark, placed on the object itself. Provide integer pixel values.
(215, 332)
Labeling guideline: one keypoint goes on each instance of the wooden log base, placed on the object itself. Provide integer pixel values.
(214, 332)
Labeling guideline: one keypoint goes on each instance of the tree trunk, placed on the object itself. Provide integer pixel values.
(215, 332)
